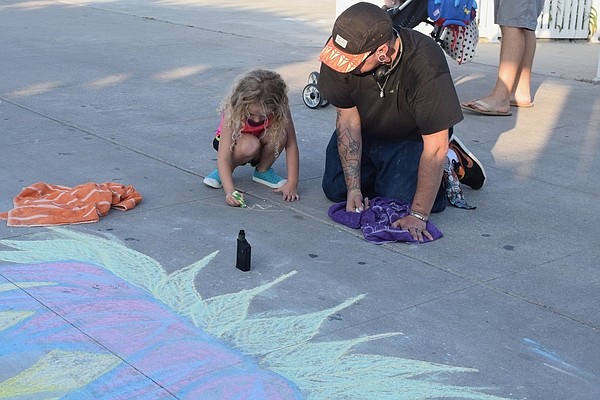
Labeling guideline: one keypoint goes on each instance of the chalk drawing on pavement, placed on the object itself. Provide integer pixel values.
(73, 299)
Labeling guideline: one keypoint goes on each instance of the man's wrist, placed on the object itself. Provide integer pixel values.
(418, 215)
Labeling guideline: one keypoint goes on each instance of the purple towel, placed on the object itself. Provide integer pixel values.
(376, 221)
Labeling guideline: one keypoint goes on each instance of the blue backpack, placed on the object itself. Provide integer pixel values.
(451, 12)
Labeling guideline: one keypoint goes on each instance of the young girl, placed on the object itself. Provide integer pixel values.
(256, 126)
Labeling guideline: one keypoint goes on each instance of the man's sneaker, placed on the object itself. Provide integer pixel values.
(269, 178)
(468, 168)
(213, 180)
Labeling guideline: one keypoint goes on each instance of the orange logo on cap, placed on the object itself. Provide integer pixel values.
(340, 61)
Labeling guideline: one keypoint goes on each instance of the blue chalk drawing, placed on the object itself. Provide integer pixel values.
(556, 362)
(132, 311)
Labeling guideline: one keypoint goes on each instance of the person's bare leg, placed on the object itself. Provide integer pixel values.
(245, 150)
(267, 153)
(521, 92)
(511, 54)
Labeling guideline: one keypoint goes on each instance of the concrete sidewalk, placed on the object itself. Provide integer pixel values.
(148, 304)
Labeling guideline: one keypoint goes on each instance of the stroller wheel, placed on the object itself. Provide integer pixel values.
(324, 102)
(313, 77)
(311, 96)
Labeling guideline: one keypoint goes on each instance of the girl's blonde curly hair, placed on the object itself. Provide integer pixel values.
(263, 87)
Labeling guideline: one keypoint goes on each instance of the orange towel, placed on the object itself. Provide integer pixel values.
(43, 204)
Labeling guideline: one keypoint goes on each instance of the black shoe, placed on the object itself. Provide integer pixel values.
(468, 168)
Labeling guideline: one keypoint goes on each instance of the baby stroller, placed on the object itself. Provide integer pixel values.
(409, 14)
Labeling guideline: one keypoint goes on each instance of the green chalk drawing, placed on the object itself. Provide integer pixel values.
(60, 372)
(267, 335)
(222, 313)
(5, 287)
(11, 318)
(286, 345)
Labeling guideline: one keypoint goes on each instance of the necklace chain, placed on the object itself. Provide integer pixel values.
(394, 65)
(382, 87)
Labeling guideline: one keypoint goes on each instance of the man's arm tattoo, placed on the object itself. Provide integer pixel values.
(350, 153)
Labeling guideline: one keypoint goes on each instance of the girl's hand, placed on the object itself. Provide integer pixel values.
(230, 200)
(288, 192)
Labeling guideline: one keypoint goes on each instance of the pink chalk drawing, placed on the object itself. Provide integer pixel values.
(156, 349)
(85, 317)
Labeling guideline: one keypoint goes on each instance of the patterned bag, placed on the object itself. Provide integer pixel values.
(460, 42)
(456, 27)
(451, 12)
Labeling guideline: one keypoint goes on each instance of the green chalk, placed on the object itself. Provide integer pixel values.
(239, 197)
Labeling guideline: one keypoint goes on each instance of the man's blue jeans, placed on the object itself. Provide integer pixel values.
(389, 169)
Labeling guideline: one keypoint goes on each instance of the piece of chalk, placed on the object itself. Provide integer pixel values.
(239, 197)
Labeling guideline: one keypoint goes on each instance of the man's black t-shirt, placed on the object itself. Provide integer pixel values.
(420, 97)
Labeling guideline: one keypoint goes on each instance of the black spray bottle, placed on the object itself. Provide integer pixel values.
(243, 252)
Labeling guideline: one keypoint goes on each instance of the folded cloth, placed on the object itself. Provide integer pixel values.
(376, 221)
(43, 204)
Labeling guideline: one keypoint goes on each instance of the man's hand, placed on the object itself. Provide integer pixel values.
(416, 227)
(355, 201)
